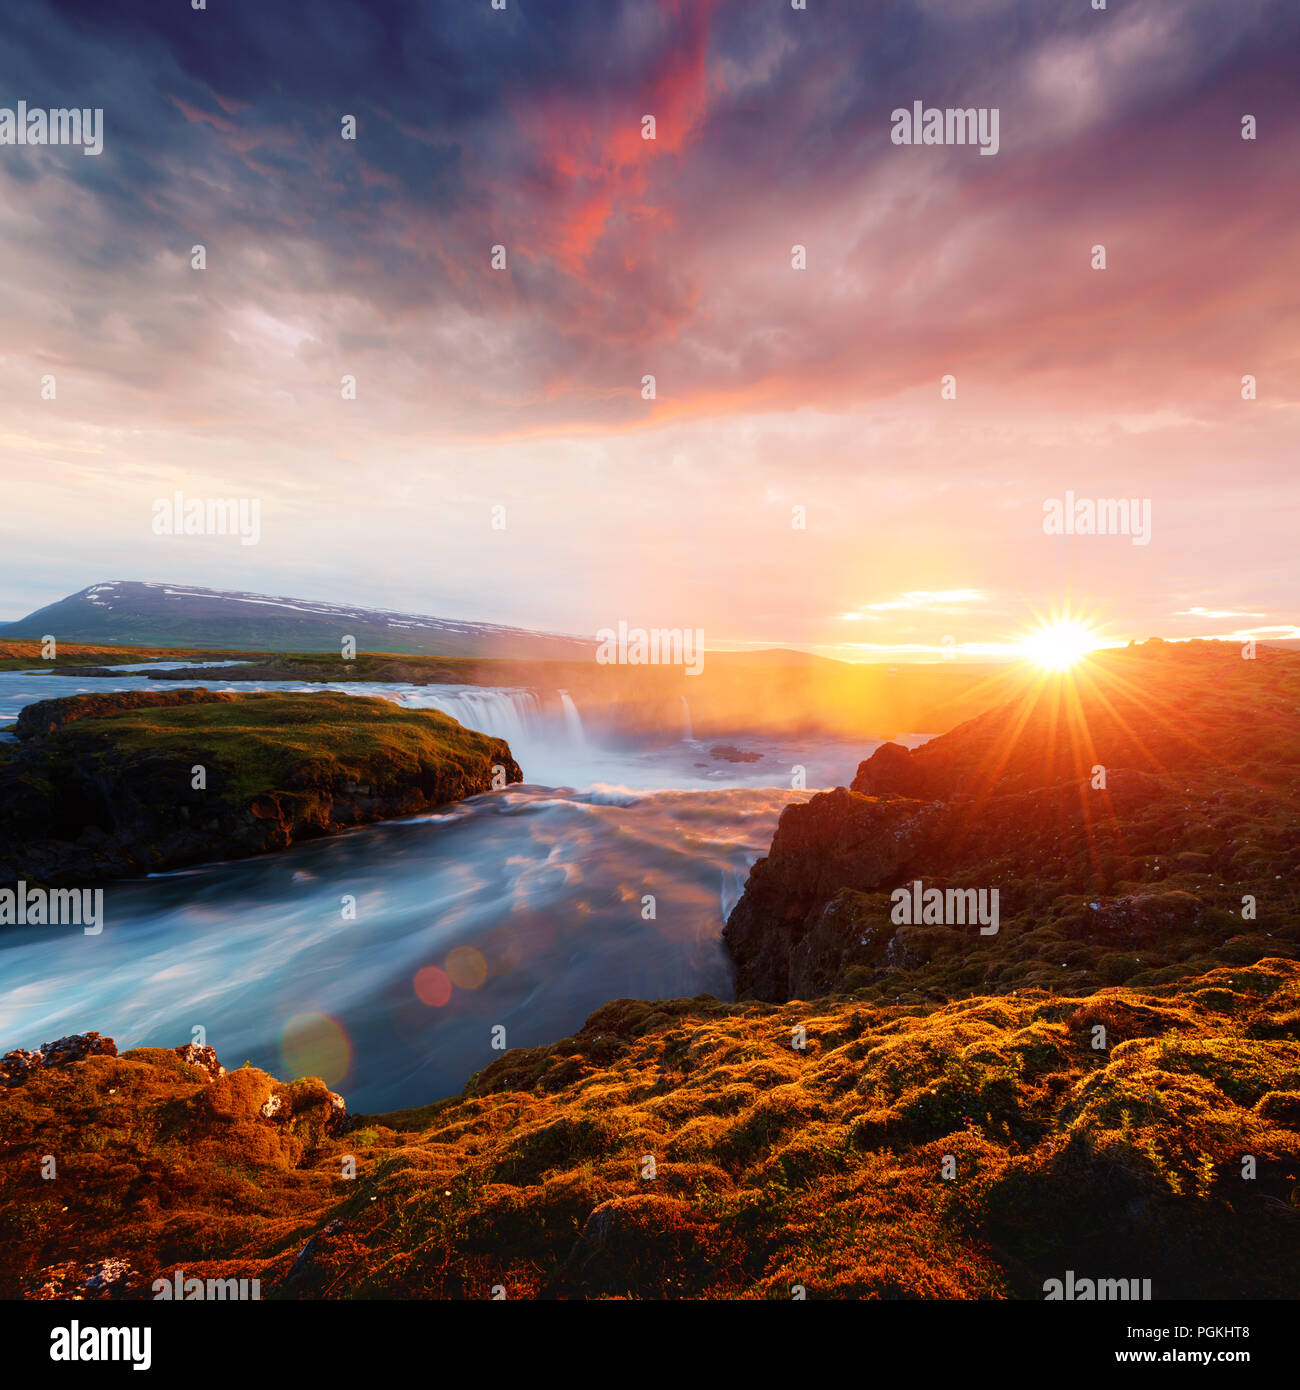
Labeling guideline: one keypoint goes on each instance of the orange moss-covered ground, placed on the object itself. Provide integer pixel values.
(774, 1166)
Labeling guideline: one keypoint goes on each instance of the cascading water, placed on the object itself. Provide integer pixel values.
(688, 734)
(573, 720)
(551, 746)
(514, 715)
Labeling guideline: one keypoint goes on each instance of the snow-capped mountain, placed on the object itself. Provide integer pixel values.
(158, 614)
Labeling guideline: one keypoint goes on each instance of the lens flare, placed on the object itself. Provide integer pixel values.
(316, 1045)
(467, 967)
(432, 986)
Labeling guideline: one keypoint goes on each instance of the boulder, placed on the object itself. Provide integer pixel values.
(15, 1066)
(205, 1058)
(75, 1047)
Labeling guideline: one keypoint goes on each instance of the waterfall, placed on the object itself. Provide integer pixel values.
(573, 720)
(514, 715)
(733, 888)
(688, 733)
(549, 744)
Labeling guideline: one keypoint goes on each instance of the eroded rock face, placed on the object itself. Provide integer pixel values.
(783, 936)
(336, 1113)
(309, 1106)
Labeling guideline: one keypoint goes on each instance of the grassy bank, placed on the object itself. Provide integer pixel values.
(105, 785)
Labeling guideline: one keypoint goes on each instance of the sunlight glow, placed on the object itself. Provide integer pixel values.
(1057, 645)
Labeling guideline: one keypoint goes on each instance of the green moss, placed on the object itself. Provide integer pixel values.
(265, 742)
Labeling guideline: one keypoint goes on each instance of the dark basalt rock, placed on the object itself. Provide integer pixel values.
(783, 939)
(1140, 919)
(309, 1269)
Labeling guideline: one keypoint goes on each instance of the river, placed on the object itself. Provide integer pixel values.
(389, 959)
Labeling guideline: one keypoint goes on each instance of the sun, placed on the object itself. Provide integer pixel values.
(1059, 644)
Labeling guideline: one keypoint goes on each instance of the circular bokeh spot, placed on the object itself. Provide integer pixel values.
(433, 986)
(466, 966)
(316, 1045)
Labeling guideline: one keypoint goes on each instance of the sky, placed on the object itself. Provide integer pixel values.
(801, 476)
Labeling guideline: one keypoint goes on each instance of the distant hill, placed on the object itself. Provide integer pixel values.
(124, 612)
(773, 656)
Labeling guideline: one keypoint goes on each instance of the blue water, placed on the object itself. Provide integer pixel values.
(520, 909)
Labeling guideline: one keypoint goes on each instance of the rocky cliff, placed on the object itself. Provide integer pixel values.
(1139, 820)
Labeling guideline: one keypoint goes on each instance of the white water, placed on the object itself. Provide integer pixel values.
(573, 721)
(544, 884)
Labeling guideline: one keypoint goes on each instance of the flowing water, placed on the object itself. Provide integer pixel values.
(390, 959)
